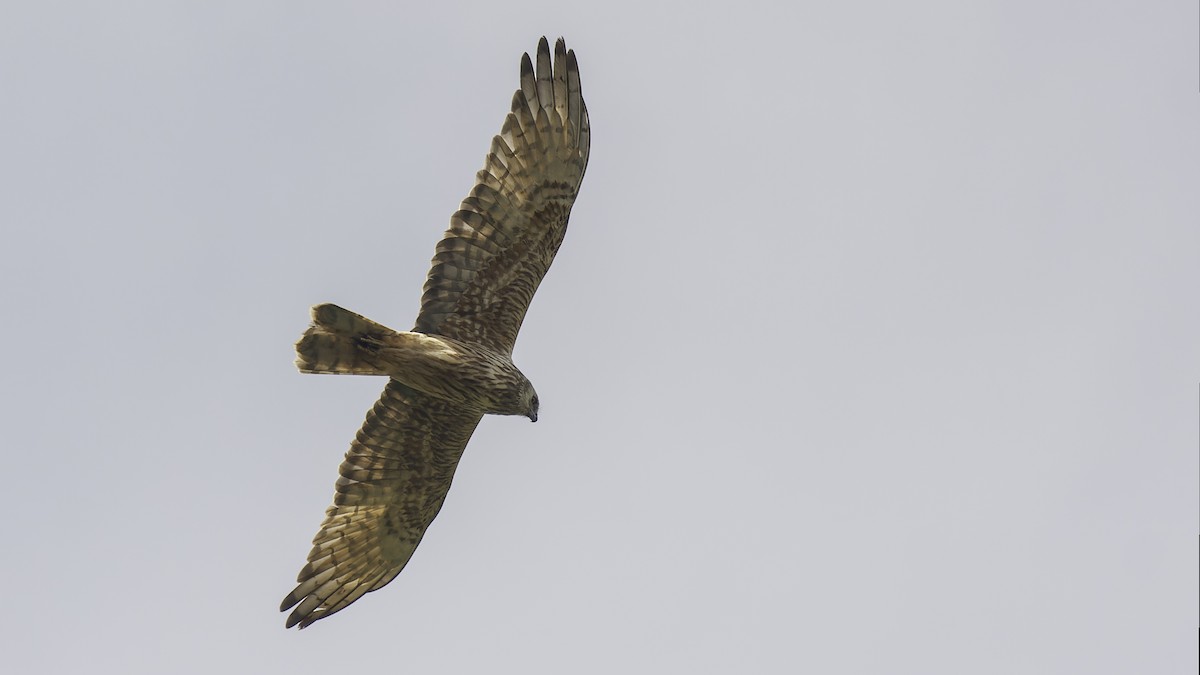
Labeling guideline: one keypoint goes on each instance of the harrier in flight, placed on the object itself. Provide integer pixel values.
(455, 365)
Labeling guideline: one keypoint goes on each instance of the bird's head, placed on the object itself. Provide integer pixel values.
(531, 404)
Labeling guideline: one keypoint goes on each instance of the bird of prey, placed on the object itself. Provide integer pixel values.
(455, 365)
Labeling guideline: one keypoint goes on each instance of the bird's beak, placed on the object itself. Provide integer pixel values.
(532, 417)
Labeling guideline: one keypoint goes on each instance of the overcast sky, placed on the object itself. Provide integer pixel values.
(873, 347)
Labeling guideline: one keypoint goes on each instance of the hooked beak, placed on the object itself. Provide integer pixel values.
(533, 417)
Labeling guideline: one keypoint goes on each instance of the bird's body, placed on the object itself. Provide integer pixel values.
(456, 364)
(467, 374)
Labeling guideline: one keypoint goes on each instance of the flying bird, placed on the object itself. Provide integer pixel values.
(455, 365)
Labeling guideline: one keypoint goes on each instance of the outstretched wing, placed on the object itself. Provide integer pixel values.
(391, 486)
(504, 237)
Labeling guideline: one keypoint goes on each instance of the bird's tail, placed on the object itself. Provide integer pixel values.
(341, 342)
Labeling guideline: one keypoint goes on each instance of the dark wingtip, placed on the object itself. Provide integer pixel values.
(293, 618)
(288, 602)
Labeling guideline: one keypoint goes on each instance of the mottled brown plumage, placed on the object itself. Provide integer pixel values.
(455, 365)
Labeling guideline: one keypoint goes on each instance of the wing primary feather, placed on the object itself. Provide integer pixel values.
(528, 84)
(545, 85)
(561, 101)
(574, 95)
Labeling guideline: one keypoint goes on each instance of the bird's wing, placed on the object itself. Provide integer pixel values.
(503, 239)
(391, 486)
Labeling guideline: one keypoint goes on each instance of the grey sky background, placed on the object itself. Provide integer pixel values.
(873, 346)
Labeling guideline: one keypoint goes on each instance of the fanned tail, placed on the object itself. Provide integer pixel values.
(341, 342)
